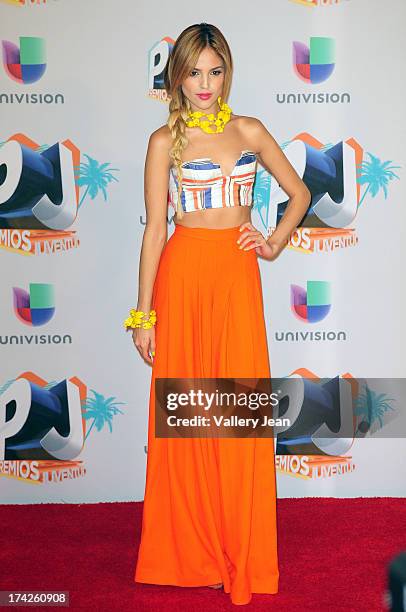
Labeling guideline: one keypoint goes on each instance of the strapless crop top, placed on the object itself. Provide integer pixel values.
(204, 185)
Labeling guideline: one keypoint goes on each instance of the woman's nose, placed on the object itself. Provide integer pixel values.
(204, 81)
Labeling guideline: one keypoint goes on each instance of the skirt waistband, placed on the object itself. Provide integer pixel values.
(208, 233)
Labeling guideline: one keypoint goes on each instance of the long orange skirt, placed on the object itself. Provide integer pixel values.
(210, 503)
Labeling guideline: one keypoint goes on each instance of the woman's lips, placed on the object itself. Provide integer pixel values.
(205, 96)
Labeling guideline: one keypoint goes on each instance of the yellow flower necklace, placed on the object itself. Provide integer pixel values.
(218, 121)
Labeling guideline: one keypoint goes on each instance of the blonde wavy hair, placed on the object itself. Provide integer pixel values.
(182, 60)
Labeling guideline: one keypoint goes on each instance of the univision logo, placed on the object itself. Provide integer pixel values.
(314, 63)
(26, 63)
(313, 303)
(35, 307)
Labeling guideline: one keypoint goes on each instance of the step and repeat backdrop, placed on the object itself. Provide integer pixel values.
(81, 89)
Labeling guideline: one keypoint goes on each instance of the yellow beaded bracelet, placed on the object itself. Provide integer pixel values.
(135, 319)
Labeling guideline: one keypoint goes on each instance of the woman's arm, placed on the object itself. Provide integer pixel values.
(156, 202)
(276, 162)
(156, 182)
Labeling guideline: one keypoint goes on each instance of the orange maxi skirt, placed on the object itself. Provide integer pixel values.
(210, 503)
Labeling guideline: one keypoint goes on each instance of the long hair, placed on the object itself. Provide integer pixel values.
(181, 61)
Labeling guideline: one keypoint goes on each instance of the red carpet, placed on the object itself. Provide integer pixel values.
(333, 555)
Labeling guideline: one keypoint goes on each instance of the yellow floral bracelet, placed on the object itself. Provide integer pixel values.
(136, 319)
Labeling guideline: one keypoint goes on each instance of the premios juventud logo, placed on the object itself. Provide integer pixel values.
(342, 179)
(157, 57)
(28, 3)
(46, 426)
(40, 194)
(319, 3)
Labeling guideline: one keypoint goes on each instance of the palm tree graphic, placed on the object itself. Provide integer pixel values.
(92, 174)
(261, 194)
(376, 175)
(98, 408)
(95, 176)
(101, 410)
(373, 406)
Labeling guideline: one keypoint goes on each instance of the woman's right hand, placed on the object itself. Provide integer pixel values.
(144, 341)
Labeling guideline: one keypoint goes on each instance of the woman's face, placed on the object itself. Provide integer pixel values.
(206, 78)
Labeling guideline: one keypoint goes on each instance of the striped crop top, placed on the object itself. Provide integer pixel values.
(204, 185)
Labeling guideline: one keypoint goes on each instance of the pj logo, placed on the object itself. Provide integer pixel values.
(39, 423)
(26, 2)
(157, 57)
(39, 193)
(43, 426)
(38, 189)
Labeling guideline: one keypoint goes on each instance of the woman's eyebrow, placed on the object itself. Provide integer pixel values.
(221, 66)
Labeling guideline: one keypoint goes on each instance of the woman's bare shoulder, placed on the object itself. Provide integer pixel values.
(246, 122)
(251, 130)
(161, 135)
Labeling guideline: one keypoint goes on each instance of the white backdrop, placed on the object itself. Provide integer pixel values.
(72, 374)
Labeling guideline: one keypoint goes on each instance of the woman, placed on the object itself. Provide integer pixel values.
(209, 514)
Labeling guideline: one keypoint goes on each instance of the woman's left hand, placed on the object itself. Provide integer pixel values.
(253, 239)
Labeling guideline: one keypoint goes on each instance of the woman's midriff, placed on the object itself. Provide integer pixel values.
(216, 218)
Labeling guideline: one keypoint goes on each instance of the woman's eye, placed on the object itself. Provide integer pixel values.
(194, 72)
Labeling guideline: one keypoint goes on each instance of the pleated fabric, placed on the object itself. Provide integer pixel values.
(210, 503)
